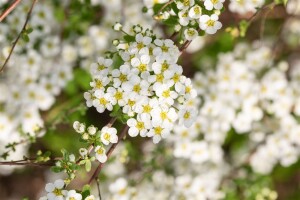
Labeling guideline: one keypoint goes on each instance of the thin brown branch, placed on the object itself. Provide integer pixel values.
(108, 154)
(19, 35)
(9, 9)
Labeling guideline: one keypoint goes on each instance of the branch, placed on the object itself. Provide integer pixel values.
(108, 154)
(18, 37)
(9, 9)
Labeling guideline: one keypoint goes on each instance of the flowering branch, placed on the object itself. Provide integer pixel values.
(9, 9)
(108, 154)
(18, 37)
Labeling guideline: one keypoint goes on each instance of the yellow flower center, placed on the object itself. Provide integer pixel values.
(147, 109)
(57, 192)
(123, 78)
(164, 48)
(140, 45)
(137, 88)
(101, 67)
(131, 103)
(103, 101)
(164, 66)
(210, 23)
(106, 136)
(100, 151)
(186, 115)
(142, 67)
(158, 130)
(140, 125)
(99, 84)
(163, 115)
(119, 95)
(166, 93)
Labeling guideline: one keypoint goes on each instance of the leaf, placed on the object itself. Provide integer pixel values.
(86, 191)
(243, 26)
(129, 38)
(56, 169)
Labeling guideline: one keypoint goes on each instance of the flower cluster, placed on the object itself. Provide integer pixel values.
(243, 7)
(36, 73)
(56, 191)
(98, 37)
(100, 139)
(194, 16)
(148, 87)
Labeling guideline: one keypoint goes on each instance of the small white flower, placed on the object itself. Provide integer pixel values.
(100, 154)
(79, 127)
(92, 130)
(108, 135)
(190, 33)
(210, 24)
(73, 195)
(118, 26)
(55, 190)
(211, 4)
(195, 12)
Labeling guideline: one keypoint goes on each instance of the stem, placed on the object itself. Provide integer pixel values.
(162, 8)
(9, 9)
(108, 154)
(18, 37)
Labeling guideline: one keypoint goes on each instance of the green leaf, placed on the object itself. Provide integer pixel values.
(243, 26)
(171, 21)
(56, 169)
(25, 37)
(129, 38)
(86, 191)
(156, 8)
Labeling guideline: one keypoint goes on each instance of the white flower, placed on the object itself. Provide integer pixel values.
(184, 18)
(101, 67)
(138, 126)
(190, 33)
(91, 197)
(118, 26)
(55, 190)
(184, 4)
(210, 4)
(73, 195)
(92, 130)
(195, 12)
(102, 101)
(187, 116)
(79, 127)
(100, 154)
(210, 24)
(165, 94)
(108, 135)
(157, 133)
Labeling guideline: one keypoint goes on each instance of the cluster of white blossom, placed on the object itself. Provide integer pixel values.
(99, 36)
(147, 87)
(249, 93)
(187, 180)
(192, 15)
(57, 191)
(291, 31)
(243, 7)
(101, 138)
(36, 73)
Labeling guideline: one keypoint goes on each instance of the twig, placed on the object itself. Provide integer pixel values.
(18, 37)
(9, 9)
(108, 154)
(185, 45)
(164, 6)
(98, 187)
